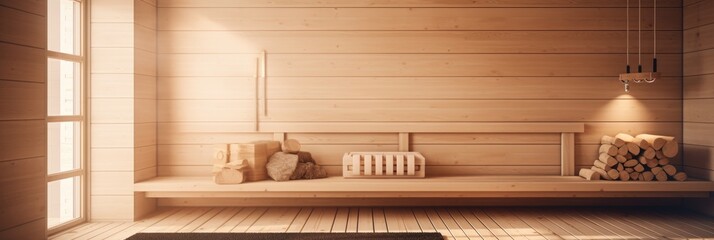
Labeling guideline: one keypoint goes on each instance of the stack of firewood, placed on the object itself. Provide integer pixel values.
(644, 157)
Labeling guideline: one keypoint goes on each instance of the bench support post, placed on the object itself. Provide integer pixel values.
(567, 154)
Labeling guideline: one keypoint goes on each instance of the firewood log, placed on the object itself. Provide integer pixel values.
(629, 156)
(609, 149)
(607, 159)
(603, 173)
(620, 167)
(680, 176)
(589, 174)
(639, 168)
(291, 146)
(621, 159)
(622, 150)
(659, 154)
(661, 176)
(656, 170)
(669, 169)
(624, 176)
(649, 153)
(641, 143)
(629, 170)
(656, 141)
(647, 176)
(630, 163)
(641, 178)
(624, 137)
(634, 176)
(633, 148)
(643, 160)
(663, 161)
(670, 149)
(601, 165)
(613, 174)
(651, 163)
(611, 140)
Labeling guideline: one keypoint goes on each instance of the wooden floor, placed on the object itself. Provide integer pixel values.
(452, 223)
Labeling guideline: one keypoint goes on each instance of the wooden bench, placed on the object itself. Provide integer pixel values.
(566, 185)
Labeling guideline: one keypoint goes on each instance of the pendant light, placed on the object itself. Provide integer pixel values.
(639, 76)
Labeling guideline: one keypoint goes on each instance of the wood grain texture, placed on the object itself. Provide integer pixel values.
(695, 62)
(24, 191)
(283, 42)
(22, 100)
(698, 38)
(698, 14)
(22, 139)
(24, 31)
(37, 7)
(700, 86)
(410, 3)
(405, 19)
(20, 63)
(699, 110)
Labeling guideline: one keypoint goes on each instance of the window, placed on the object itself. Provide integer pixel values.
(66, 121)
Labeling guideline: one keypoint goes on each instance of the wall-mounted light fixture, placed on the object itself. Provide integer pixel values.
(639, 76)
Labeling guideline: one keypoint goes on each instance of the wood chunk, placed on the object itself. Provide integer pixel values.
(634, 176)
(661, 176)
(601, 165)
(629, 170)
(633, 148)
(680, 176)
(670, 149)
(657, 170)
(630, 163)
(652, 163)
(643, 160)
(589, 174)
(656, 141)
(607, 159)
(603, 173)
(609, 149)
(620, 167)
(669, 169)
(624, 176)
(659, 154)
(624, 137)
(639, 168)
(647, 176)
(641, 177)
(612, 141)
(629, 156)
(663, 161)
(641, 143)
(291, 146)
(649, 153)
(613, 174)
(621, 159)
(622, 150)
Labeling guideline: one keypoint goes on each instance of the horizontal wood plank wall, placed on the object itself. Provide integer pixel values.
(23, 130)
(699, 93)
(123, 107)
(410, 61)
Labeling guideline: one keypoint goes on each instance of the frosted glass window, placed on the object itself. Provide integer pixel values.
(63, 88)
(63, 26)
(63, 201)
(63, 146)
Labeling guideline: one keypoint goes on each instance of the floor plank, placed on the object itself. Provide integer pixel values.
(452, 223)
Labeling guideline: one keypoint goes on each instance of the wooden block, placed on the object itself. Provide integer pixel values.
(256, 154)
(647, 176)
(656, 141)
(589, 174)
(622, 150)
(378, 169)
(609, 149)
(613, 174)
(612, 140)
(656, 170)
(410, 165)
(603, 174)
(635, 176)
(629, 170)
(367, 164)
(669, 169)
(220, 154)
(663, 161)
(630, 163)
(670, 149)
(624, 176)
(389, 163)
(607, 159)
(621, 159)
(680, 176)
(620, 167)
(659, 154)
(652, 163)
(400, 164)
(642, 160)
(661, 176)
(633, 148)
(601, 165)
(641, 143)
(639, 168)
(649, 153)
(356, 165)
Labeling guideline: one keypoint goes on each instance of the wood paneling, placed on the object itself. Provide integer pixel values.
(112, 35)
(699, 38)
(112, 60)
(699, 110)
(696, 63)
(22, 63)
(410, 3)
(105, 208)
(24, 191)
(22, 100)
(28, 231)
(105, 11)
(405, 65)
(349, 64)
(23, 30)
(698, 14)
(112, 183)
(199, 18)
(700, 86)
(221, 42)
(22, 139)
(37, 7)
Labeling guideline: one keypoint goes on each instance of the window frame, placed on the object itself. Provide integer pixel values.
(82, 172)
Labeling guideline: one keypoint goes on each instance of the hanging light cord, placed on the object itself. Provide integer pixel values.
(639, 36)
(654, 52)
(627, 33)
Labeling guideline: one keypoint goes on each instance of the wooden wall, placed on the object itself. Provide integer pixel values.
(23, 107)
(699, 91)
(410, 61)
(123, 114)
